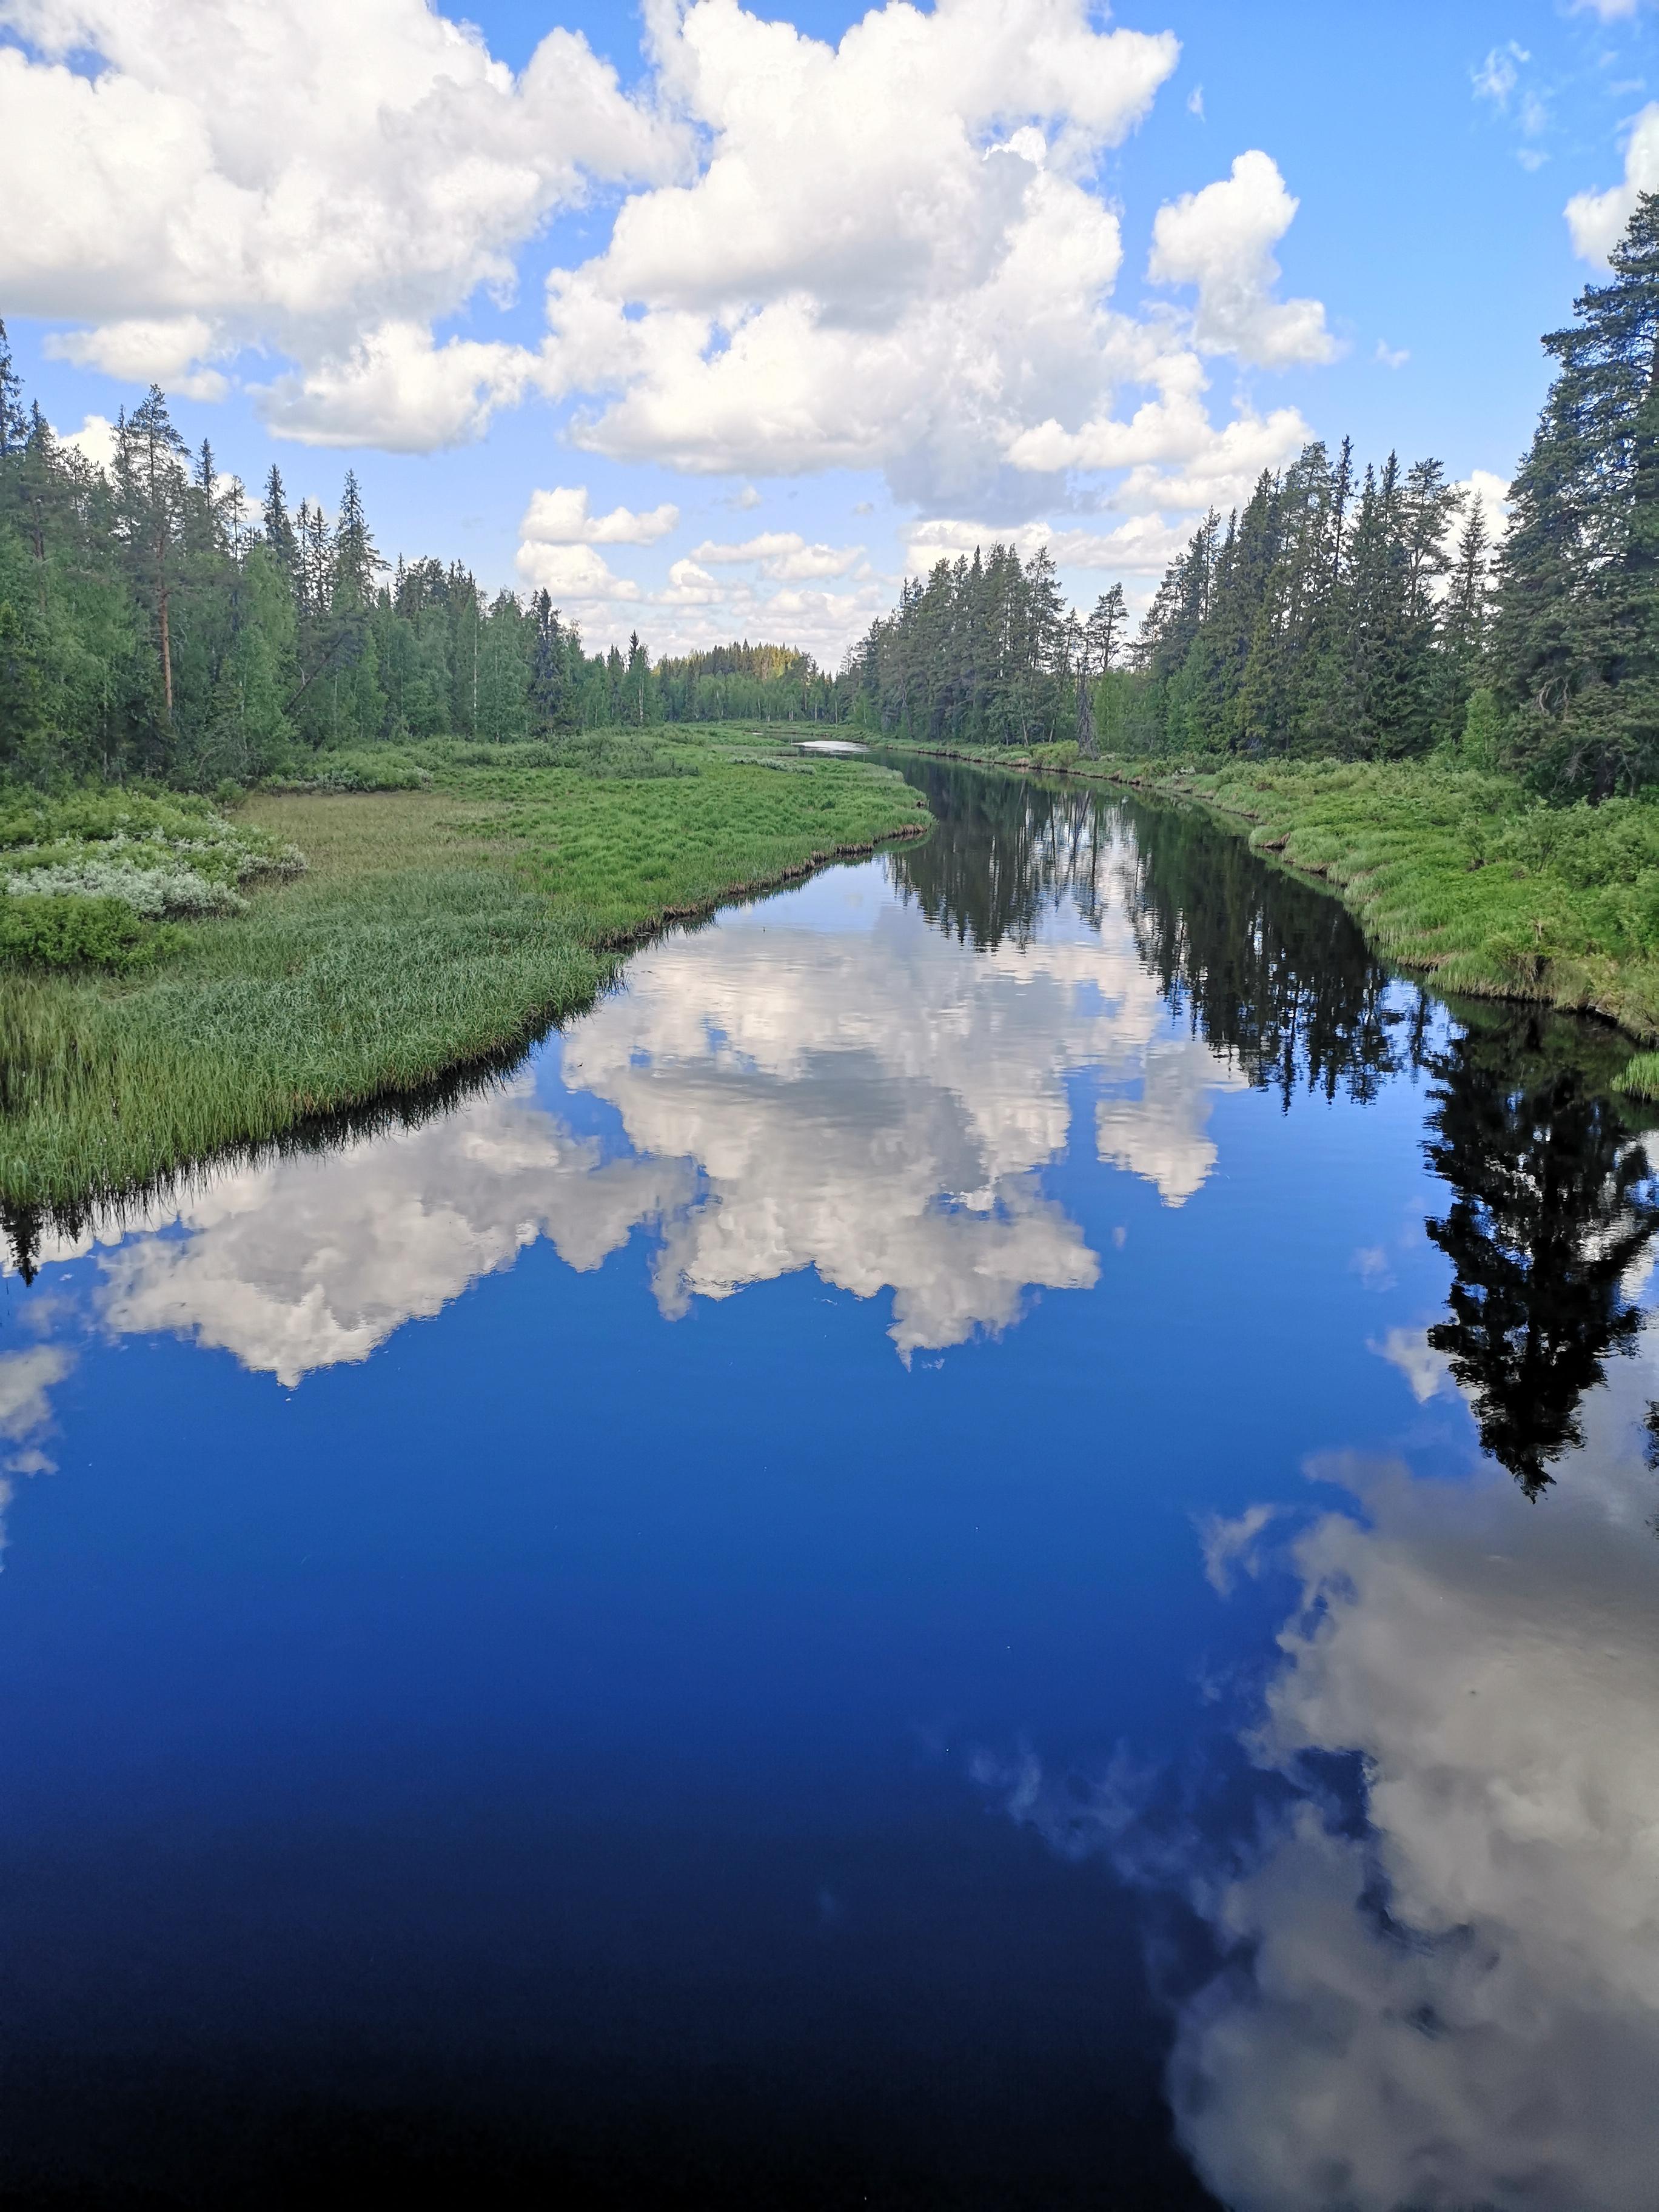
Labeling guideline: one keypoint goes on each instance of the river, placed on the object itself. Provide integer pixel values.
(989, 1542)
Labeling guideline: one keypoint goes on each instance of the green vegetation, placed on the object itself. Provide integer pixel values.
(432, 927)
(1348, 615)
(153, 625)
(1459, 873)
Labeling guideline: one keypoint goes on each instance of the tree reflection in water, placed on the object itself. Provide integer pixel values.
(1553, 1199)
(1271, 973)
(1554, 1204)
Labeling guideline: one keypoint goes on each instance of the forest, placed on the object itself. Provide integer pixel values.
(1347, 614)
(155, 624)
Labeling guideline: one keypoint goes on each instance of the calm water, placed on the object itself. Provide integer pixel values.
(989, 1543)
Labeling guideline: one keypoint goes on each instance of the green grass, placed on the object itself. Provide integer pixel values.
(1452, 871)
(433, 928)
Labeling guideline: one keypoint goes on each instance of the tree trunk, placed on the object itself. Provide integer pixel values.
(162, 595)
(1085, 720)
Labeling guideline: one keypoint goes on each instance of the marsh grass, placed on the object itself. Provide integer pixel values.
(433, 930)
(1464, 876)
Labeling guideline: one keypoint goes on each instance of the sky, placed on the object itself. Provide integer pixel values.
(717, 324)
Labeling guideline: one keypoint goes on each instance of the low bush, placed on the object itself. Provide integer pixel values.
(62, 931)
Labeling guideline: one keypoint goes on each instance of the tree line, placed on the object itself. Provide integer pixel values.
(156, 623)
(1358, 615)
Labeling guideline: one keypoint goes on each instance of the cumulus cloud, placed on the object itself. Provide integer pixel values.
(95, 440)
(1597, 219)
(1230, 1547)
(1161, 1133)
(891, 253)
(1175, 457)
(1221, 241)
(895, 259)
(1144, 545)
(782, 553)
(289, 174)
(561, 517)
(1493, 491)
(1448, 1996)
(574, 574)
(558, 535)
(160, 349)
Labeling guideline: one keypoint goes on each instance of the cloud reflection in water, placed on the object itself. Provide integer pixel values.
(872, 1100)
(1448, 1996)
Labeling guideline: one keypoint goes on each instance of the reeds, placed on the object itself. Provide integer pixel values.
(435, 930)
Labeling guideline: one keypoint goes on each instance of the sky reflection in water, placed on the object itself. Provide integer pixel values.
(1164, 1555)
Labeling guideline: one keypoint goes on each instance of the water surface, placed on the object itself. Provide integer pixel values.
(988, 1542)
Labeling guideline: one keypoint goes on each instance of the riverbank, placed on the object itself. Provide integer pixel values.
(431, 928)
(1452, 871)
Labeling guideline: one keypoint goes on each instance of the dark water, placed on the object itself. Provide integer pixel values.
(989, 1544)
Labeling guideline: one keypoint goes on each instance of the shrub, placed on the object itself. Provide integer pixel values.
(62, 931)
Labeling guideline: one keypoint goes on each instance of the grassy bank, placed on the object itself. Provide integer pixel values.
(431, 926)
(1452, 871)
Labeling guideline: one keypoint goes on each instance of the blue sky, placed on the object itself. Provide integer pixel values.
(831, 309)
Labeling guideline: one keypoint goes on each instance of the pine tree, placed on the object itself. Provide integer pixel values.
(149, 492)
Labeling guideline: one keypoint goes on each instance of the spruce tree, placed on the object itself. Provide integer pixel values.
(1576, 641)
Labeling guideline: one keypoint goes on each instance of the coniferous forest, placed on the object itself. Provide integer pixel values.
(1352, 612)
(154, 621)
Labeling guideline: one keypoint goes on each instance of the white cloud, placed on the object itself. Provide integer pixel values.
(891, 253)
(1392, 356)
(289, 174)
(573, 574)
(95, 440)
(1493, 493)
(1145, 546)
(397, 390)
(1196, 102)
(1175, 457)
(1498, 76)
(159, 350)
(782, 553)
(1231, 1547)
(1221, 240)
(866, 273)
(1161, 1133)
(25, 1377)
(561, 517)
(1597, 219)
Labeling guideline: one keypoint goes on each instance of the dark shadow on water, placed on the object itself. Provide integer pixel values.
(1553, 1200)
(1268, 971)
